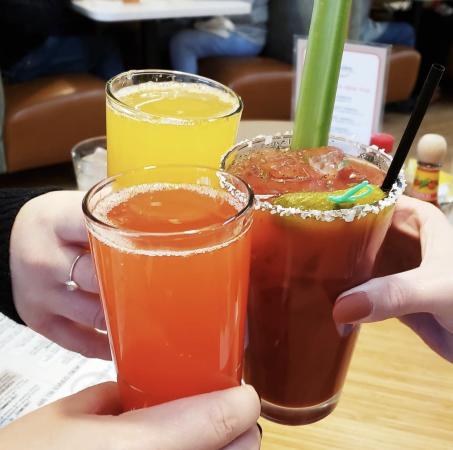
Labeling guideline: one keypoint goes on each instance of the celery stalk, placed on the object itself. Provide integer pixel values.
(318, 84)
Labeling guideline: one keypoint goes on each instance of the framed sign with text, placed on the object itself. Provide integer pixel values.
(359, 103)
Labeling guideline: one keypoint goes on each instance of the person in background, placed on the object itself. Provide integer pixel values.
(45, 37)
(220, 36)
(41, 233)
(289, 18)
(392, 33)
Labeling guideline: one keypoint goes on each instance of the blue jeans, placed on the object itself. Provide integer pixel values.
(68, 54)
(397, 33)
(187, 46)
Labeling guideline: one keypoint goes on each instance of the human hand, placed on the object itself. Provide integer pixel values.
(92, 420)
(417, 288)
(48, 235)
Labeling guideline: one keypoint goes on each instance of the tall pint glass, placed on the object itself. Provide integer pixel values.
(297, 356)
(171, 247)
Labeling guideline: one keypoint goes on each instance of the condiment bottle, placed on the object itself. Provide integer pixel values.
(383, 140)
(431, 152)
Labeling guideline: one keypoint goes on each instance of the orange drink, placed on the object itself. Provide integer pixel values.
(172, 252)
(162, 117)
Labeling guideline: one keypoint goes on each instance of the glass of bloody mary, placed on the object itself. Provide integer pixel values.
(171, 247)
(306, 250)
(164, 117)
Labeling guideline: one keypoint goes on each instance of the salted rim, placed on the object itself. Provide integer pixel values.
(93, 219)
(132, 112)
(349, 214)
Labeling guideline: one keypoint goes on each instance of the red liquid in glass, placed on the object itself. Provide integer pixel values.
(297, 357)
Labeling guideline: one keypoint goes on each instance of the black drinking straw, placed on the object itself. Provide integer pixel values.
(423, 101)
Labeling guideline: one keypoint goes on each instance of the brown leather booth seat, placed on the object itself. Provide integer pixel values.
(266, 84)
(44, 118)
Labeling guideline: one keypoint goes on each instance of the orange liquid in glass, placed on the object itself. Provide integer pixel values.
(175, 307)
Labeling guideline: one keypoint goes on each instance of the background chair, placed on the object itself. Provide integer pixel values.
(45, 117)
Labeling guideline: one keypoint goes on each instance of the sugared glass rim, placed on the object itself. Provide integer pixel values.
(347, 214)
(93, 219)
(215, 84)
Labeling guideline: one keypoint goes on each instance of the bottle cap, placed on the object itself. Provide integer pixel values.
(383, 140)
(432, 149)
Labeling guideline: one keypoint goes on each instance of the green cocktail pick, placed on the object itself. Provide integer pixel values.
(318, 85)
(327, 201)
(349, 196)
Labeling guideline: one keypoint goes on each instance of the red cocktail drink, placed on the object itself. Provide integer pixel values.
(306, 250)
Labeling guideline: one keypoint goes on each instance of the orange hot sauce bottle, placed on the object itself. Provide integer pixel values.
(431, 152)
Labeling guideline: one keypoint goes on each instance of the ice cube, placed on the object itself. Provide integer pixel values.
(91, 168)
(327, 163)
(99, 155)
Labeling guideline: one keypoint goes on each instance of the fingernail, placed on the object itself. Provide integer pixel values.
(352, 308)
(260, 429)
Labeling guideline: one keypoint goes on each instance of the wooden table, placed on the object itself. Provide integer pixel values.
(398, 394)
(117, 11)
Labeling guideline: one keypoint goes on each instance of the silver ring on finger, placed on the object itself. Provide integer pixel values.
(70, 284)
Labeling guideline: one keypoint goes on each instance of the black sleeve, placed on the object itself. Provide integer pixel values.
(11, 200)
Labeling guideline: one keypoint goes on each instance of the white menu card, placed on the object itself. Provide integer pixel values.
(361, 89)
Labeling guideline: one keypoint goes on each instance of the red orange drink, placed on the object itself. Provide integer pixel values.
(172, 249)
(306, 250)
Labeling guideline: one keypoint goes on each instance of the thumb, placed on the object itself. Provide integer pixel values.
(203, 422)
(414, 291)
